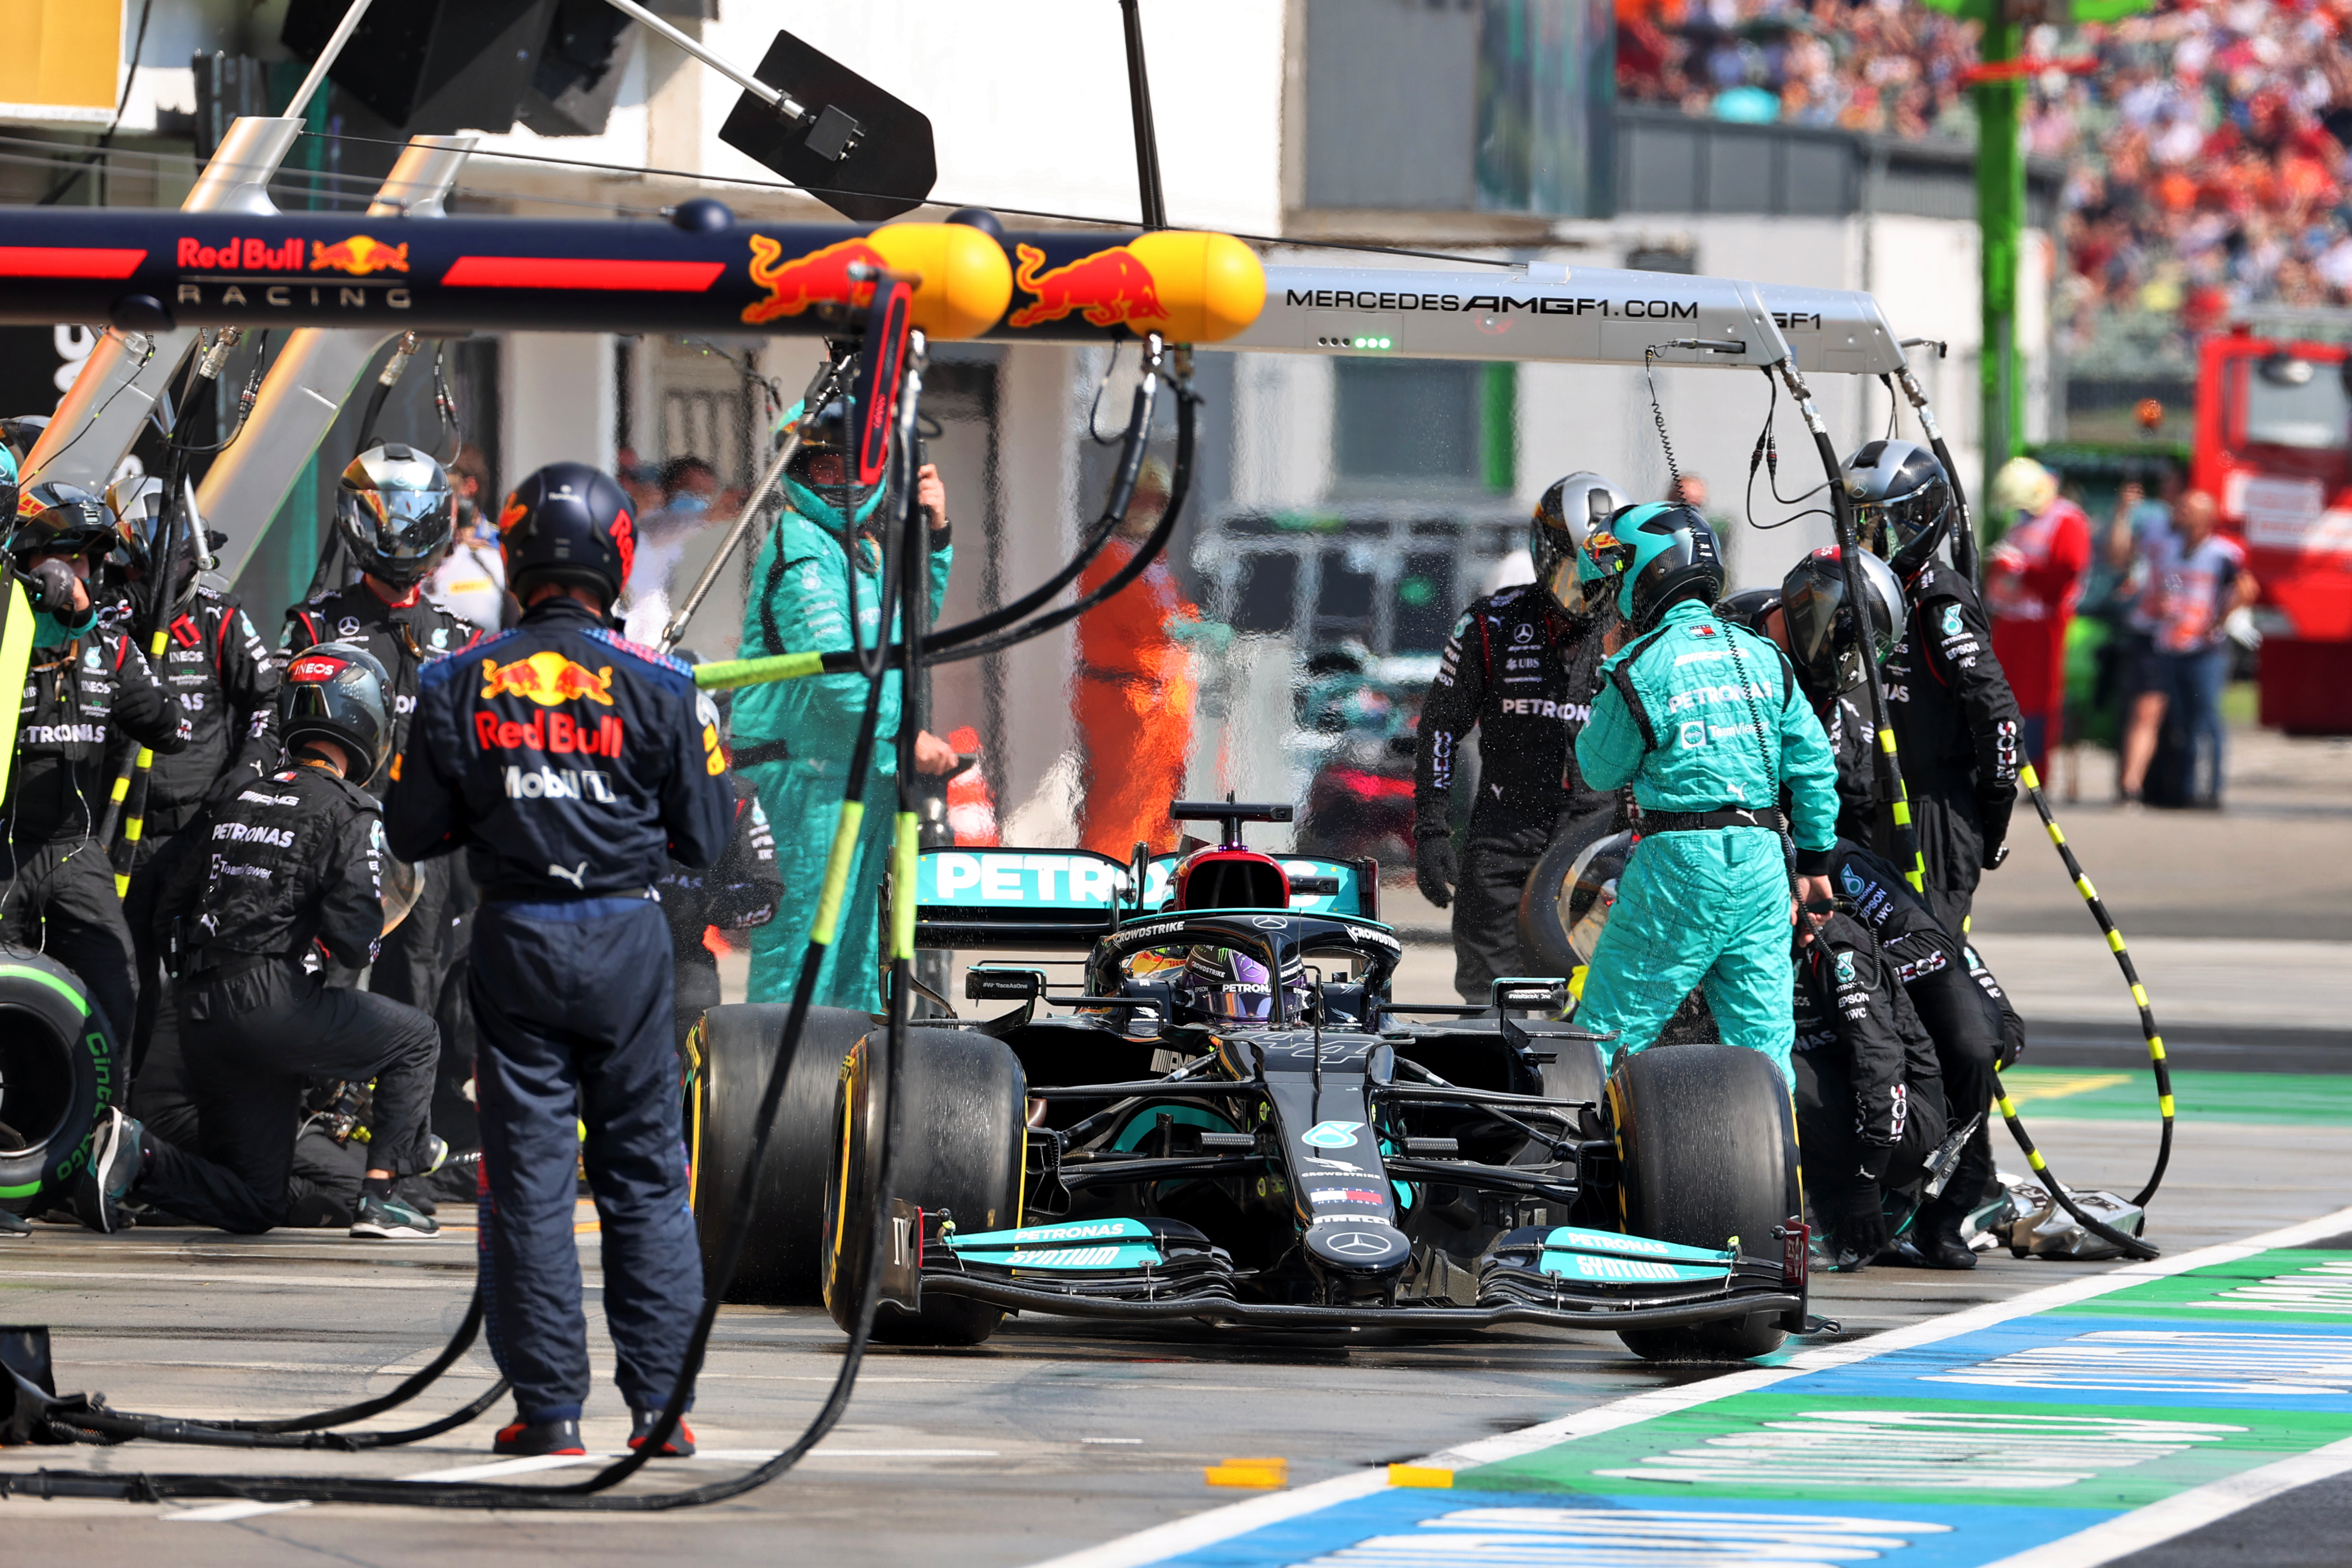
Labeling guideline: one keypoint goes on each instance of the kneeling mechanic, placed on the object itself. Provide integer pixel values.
(293, 877)
(571, 764)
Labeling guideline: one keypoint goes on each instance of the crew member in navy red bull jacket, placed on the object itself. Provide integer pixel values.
(571, 765)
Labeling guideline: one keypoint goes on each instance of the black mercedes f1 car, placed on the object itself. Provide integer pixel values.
(1227, 1117)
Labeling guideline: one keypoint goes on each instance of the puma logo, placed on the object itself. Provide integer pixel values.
(578, 878)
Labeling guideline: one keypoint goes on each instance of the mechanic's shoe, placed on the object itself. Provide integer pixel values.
(384, 1217)
(538, 1440)
(117, 1150)
(1944, 1249)
(641, 1426)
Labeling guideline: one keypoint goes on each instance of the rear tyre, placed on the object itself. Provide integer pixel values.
(1706, 1152)
(1543, 906)
(960, 1096)
(58, 1069)
(783, 1262)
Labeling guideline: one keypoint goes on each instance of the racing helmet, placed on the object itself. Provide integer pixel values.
(394, 505)
(20, 433)
(1821, 634)
(56, 518)
(568, 524)
(1592, 892)
(1230, 987)
(1749, 607)
(336, 691)
(1656, 553)
(1563, 519)
(7, 483)
(1903, 502)
(2023, 485)
(830, 431)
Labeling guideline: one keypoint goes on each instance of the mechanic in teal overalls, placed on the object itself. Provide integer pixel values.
(793, 738)
(1706, 721)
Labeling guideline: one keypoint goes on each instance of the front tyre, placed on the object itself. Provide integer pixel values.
(961, 1146)
(58, 1069)
(1707, 1154)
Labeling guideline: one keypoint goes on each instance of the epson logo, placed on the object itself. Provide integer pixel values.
(560, 783)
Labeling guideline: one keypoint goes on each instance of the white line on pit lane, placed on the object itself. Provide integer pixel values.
(2085, 1551)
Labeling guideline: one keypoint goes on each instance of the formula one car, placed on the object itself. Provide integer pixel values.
(1229, 1119)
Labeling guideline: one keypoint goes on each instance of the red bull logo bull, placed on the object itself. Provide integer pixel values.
(359, 256)
(548, 679)
(820, 278)
(1109, 288)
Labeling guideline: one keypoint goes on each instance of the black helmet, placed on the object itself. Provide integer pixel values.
(1901, 501)
(1563, 521)
(56, 518)
(830, 431)
(20, 433)
(1657, 553)
(395, 506)
(1750, 607)
(569, 523)
(1821, 625)
(335, 692)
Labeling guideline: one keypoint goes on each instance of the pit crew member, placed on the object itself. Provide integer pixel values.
(394, 508)
(56, 887)
(294, 869)
(571, 765)
(1706, 721)
(1520, 668)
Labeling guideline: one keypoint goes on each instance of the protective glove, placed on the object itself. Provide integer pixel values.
(1858, 1224)
(1995, 807)
(50, 587)
(1437, 870)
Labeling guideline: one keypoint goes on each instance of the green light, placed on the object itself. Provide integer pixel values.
(1384, 343)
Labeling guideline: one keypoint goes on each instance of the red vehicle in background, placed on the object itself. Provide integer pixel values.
(2274, 446)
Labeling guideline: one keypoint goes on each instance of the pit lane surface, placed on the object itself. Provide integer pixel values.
(1050, 1438)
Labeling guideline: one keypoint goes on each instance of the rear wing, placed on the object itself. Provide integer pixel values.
(1074, 898)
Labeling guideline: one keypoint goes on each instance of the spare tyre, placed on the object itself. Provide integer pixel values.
(961, 1136)
(1706, 1152)
(731, 1050)
(58, 1069)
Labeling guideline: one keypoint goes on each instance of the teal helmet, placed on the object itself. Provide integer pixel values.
(1656, 553)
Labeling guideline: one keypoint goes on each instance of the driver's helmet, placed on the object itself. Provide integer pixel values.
(1230, 987)
(1592, 892)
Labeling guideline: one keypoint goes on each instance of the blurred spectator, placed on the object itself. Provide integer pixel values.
(2204, 144)
(2032, 579)
(2138, 546)
(688, 488)
(2205, 582)
(471, 581)
(640, 480)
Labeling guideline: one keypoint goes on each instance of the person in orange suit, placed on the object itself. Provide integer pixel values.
(2032, 578)
(1135, 690)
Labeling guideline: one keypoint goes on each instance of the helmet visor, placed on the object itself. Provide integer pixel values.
(1898, 521)
(1810, 612)
(402, 525)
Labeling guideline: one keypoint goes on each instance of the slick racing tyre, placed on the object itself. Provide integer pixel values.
(1543, 907)
(59, 1068)
(960, 1101)
(783, 1262)
(1706, 1151)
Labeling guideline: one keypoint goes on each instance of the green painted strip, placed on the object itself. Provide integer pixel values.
(1829, 1448)
(2302, 1285)
(727, 674)
(81, 1004)
(2279, 1099)
(23, 1192)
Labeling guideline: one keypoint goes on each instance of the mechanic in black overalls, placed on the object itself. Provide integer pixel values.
(573, 765)
(291, 876)
(1956, 997)
(1869, 1095)
(1955, 719)
(1521, 668)
(396, 512)
(56, 886)
(216, 664)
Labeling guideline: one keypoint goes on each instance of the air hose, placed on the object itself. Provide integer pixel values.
(585, 1495)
